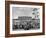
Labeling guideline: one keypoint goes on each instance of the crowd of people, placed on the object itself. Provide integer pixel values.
(26, 25)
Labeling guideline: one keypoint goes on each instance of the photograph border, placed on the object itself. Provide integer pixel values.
(7, 18)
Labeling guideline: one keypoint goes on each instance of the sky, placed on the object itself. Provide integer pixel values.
(22, 11)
